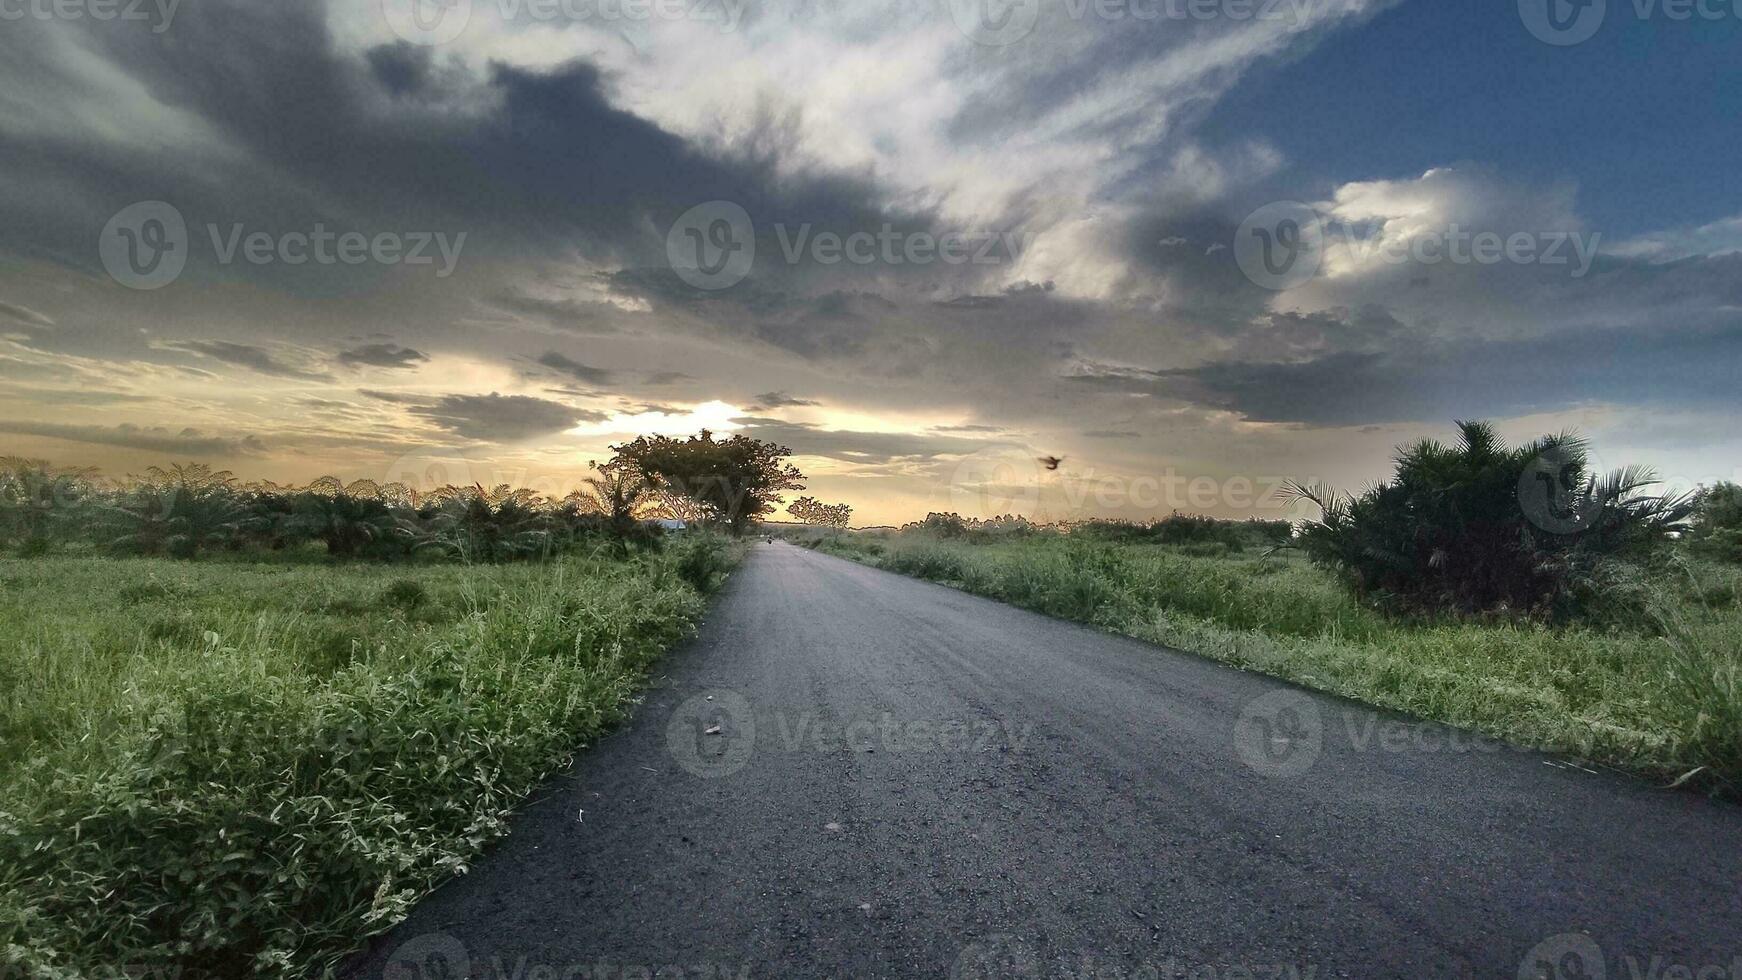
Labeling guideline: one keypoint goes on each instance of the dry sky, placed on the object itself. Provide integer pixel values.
(433, 240)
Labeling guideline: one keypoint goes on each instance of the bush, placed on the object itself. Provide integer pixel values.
(405, 594)
(1717, 525)
(702, 560)
(1481, 527)
(35, 547)
(1212, 535)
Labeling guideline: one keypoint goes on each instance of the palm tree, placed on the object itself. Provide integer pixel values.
(346, 519)
(494, 524)
(181, 510)
(38, 499)
(1481, 526)
(621, 494)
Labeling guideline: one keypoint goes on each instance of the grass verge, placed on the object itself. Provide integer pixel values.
(243, 769)
(1664, 701)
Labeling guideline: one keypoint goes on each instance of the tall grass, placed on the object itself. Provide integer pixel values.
(1659, 697)
(242, 769)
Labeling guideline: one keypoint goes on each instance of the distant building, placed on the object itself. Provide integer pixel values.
(670, 524)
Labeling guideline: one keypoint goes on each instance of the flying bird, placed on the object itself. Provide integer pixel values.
(1050, 462)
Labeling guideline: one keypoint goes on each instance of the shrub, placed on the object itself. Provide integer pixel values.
(35, 547)
(405, 594)
(942, 525)
(1482, 527)
(701, 560)
(1717, 525)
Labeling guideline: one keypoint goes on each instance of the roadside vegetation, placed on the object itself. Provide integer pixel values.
(244, 726)
(1609, 627)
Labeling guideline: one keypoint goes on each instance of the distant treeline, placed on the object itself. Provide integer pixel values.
(1175, 529)
(189, 509)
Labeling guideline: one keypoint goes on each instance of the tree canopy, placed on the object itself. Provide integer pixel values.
(810, 510)
(736, 480)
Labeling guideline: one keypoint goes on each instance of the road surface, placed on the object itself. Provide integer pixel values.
(853, 774)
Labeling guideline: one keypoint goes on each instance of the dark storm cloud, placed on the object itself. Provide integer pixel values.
(575, 369)
(861, 447)
(1468, 380)
(503, 418)
(780, 399)
(382, 356)
(257, 359)
(188, 442)
(525, 160)
(577, 316)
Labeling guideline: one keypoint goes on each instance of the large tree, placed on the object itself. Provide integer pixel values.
(810, 510)
(737, 480)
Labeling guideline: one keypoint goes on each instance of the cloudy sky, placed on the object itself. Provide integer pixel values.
(1191, 247)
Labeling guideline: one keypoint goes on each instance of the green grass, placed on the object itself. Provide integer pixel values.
(244, 768)
(1661, 699)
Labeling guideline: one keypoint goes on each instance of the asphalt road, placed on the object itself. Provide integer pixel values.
(850, 773)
